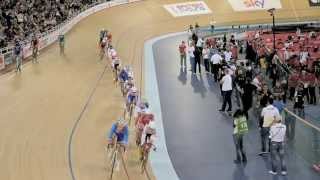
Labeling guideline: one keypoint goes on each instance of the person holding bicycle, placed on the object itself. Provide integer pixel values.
(61, 39)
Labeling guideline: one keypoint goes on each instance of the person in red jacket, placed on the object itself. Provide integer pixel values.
(293, 83)
(183, 54)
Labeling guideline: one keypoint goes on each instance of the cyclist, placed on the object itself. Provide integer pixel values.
(35, 48)
(148, 141)
(116, 61)
(143, 128)
(120, 131)
(61, 39)
(123, 77)
(112, 53)
(128, 85)
(132, 97)
(124, 74)
(103, 46)
(109, 37)
(102, 35)
(143, 107)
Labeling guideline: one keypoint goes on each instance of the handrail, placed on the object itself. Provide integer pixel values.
(302, 120)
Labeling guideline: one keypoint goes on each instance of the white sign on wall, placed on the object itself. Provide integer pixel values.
(188, 8)
(254, 5)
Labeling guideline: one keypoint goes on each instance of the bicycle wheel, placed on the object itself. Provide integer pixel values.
(113, 163)
(144, 161)
(130, 113)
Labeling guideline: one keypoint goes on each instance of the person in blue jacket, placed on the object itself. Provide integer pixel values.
(120, 132)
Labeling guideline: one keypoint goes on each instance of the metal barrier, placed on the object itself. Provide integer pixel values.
(303, 136)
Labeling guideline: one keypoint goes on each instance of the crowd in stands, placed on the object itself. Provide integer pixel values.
(20, 19)
(255, 72)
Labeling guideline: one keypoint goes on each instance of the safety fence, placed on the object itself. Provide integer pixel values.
(48, 38)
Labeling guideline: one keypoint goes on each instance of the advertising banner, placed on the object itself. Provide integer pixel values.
(188, 8)
(254, 5)
(314, 2)
(2, 64)
(26, 51)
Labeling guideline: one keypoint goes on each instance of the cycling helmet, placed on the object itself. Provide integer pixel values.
(121, 121)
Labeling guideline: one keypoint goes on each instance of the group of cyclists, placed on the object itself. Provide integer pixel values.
(135, 107)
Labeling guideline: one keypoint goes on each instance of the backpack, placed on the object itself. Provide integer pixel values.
(241, 125)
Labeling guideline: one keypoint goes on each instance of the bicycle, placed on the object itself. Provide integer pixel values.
(130, 111)
(122, 86)
(118, 148)
(145, 151)
(131, 107)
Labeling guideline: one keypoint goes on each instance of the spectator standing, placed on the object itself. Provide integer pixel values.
(312, 88)
(298, 106)
(274, 75)
(18, 55)
(205, 55)
(226, 88)
(268, 114)
(197, 59)
(183, 56)
(304, 55)
(190, 32)
(216, 60)
(277, 135)
(191, 50)
(293, 83)
(240, 128)
(247, 94)
(277, 90)
(305, 81)
(200, 44)
(227, 55)
(265, 95)
(35, 49)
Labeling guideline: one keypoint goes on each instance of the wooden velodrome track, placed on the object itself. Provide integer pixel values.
(62, 97)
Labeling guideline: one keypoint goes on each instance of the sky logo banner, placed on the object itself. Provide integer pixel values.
(254, 5)
(314, 2)
(188, 8)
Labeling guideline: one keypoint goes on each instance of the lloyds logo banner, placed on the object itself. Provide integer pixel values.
(314, 2)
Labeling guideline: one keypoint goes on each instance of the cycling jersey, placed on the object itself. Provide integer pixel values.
(144, 120)
(123, 75)
(122, 137)
(132, 97)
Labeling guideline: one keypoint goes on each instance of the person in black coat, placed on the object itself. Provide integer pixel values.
(197, 57)
(247, 95)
